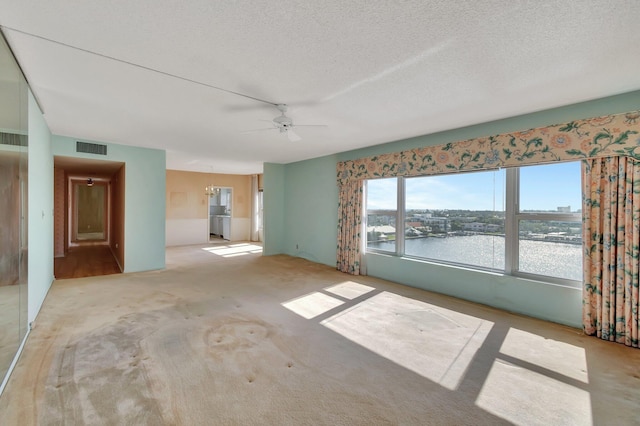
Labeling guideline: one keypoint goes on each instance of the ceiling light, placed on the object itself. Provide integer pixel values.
(211, 190)
(89, 182)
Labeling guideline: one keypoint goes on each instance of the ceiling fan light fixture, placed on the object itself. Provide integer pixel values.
(284, 124)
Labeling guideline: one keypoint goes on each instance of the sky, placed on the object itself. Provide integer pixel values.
(541, 188)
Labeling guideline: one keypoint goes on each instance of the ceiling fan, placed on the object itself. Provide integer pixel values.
(284, 124)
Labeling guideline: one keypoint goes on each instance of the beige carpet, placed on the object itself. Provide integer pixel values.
(226, 336)
(10, 333)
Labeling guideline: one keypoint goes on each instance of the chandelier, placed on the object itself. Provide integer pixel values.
(211, 190)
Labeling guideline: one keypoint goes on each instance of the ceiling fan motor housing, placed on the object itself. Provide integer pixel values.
(283, 122)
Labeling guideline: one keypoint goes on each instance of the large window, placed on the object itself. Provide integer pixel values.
(523, 221)
(382, 214)
(467, 206)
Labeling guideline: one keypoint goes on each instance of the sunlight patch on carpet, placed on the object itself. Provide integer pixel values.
(349, 289)
(434, 342)
(312, 304)
(559, 357)
(232, 250)
(511, 390)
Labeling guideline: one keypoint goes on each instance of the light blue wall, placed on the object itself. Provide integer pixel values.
(300, 209)
(311, 210)
(40, 216)
(298, 187)
(145, 174)
(541, 300)
(273, 209)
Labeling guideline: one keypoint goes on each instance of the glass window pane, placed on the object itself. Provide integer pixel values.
(382, 200)
(551, 188)
(457, 218)
(551, 248)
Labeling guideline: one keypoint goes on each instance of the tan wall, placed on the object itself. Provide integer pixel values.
(186, 198)
(91, 207)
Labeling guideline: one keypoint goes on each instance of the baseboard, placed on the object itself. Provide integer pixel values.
(116, 258)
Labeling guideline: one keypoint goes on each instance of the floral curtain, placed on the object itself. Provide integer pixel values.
(611, 243)
(350, 207)
(610, 135)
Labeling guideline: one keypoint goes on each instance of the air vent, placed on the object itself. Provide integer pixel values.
(91, 148)
(13, 139)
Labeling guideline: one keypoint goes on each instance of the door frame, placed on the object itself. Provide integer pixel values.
(229, 207)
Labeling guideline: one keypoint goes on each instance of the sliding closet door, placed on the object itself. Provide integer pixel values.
(13, 208)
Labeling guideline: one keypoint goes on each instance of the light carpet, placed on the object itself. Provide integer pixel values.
(226, 336)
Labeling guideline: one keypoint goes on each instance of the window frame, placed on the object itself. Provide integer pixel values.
(399, 201)
(513, 217)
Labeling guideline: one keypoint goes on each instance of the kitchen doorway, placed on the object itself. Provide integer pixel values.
(220, 214)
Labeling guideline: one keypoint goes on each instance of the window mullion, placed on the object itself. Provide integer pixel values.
(400, 215)
(512, 208)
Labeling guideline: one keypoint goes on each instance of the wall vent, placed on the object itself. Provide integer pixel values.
(13, 139)
(91, 148)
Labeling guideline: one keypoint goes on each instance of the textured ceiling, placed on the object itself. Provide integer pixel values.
(149, 72)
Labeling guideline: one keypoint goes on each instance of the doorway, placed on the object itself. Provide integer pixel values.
(220, 214)
(88, 217)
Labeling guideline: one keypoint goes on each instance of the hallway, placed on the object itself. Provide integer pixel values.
(86, 261)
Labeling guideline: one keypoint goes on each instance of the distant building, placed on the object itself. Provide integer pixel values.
(566, 209)
(474, 226)
(437, 223)
(481, 227)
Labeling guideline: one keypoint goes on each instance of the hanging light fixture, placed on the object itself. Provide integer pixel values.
(89, 182)
(211, 190)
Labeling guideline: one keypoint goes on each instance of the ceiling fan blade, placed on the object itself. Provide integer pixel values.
(258, 130)
(293, 137)
(311, 125)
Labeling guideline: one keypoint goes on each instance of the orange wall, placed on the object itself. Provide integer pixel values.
(186, 198)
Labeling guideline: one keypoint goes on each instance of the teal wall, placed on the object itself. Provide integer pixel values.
(40, 216)
(145, 174)
(301, 210)
(295, 187)
(311, 210)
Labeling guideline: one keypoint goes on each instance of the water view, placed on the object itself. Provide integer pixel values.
(537, 257)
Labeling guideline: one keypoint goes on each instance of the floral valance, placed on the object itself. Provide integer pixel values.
(610, 135)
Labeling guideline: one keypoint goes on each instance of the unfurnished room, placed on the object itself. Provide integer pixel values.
(320, 213)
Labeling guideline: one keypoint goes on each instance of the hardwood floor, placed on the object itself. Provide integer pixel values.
(88, 261)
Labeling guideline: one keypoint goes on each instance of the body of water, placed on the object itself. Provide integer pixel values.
(487, 251)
